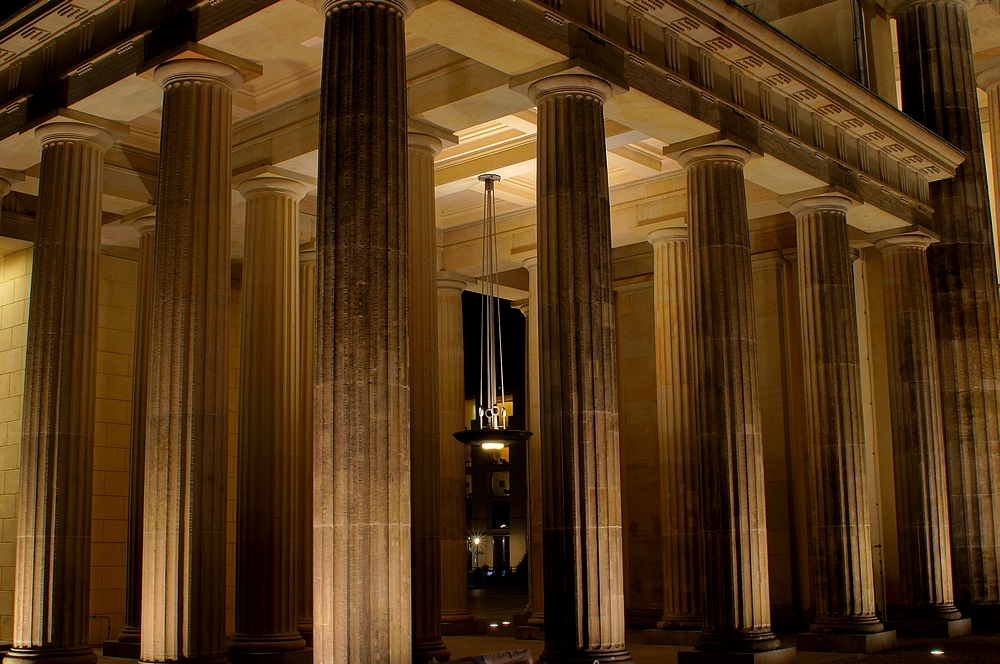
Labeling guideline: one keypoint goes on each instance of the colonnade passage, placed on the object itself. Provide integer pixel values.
(294, 493)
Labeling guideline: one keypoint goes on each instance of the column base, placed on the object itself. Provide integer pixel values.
(853, 643)
(537, 619)
(618, 656)
(777, 656)
(124, 649)
(463, 628)
(306, 631)
(935, 629)
(529, 633)
(426, 652)
(302, 656)
(671, 637)
(83, 655)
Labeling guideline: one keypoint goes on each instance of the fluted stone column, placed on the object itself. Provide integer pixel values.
(425, 425)
(361, 491)
(52, 567)
(843, 588)
(268, 463)
(187, 425)
(681, 620)
(584, 594)
(918, 453)
(307, 370)
(939, 91)
(536, 554)
(736, 614)
(127, 644)
(455, 615)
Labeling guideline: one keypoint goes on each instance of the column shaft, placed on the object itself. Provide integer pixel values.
(52, 570)
(736, 601)
(844, 592)
(268, 463)
(939, 91)
(361, 492)
(425, 452)
(451, 408)
(918, 444)
(536, 554)
(137, 460)
(584, 594)
(307, 371)
(675, 411)
(187, 429)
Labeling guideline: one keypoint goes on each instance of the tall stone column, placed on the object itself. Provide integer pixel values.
(918, 449)
(844, 589)
(425, 425)
(52, 568)
(536, 553)
(268, 463)
(455, 615)
(307, 371)
(939, 91)
(736, 613)
(187, 422)
(127, 644)
(361, 491)
(681, 620)
(584, 594)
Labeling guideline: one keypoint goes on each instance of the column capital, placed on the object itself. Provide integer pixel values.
(307, 253)
(829, 202)
(446, 281)
(145, 225)
(270, 184)
(570, 85)
(674, 234)
(530, 263)
(404, 7)
(905, 241)
(714, 152)
(198, 69)
(988, 73)
(893, 7)
(4, 187)
(74, 132)
(422, 141)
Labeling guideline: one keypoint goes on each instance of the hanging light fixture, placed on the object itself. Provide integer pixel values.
(492, 433)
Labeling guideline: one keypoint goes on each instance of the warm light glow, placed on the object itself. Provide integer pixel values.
(476, 541)
(937, 651)
(492, 446)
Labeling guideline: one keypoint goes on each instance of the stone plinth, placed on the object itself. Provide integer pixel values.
(736, 602)
(187, 428)
(938, 89)
(918, 448)
(361, 453)
(674, 420)
(843, 588)
(455, 615)
(584, 601)
(847, 642)
(307, 370)
(425, 425)
(780, 656)
(268, 457)
(127, 644)
(932, 629)
(671, 637)
(52, 569)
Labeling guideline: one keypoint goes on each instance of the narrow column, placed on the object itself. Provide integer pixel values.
(187, 423)
(127, 644)
(307, 370)
(736, 614)
(844, 590)
(361, 491)
(536, 555)
(918, 450)
(455, 615)
(584, 594)
(52, 568)
(939, 91)
(681, 620)
(425, 452)
(268, 464)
